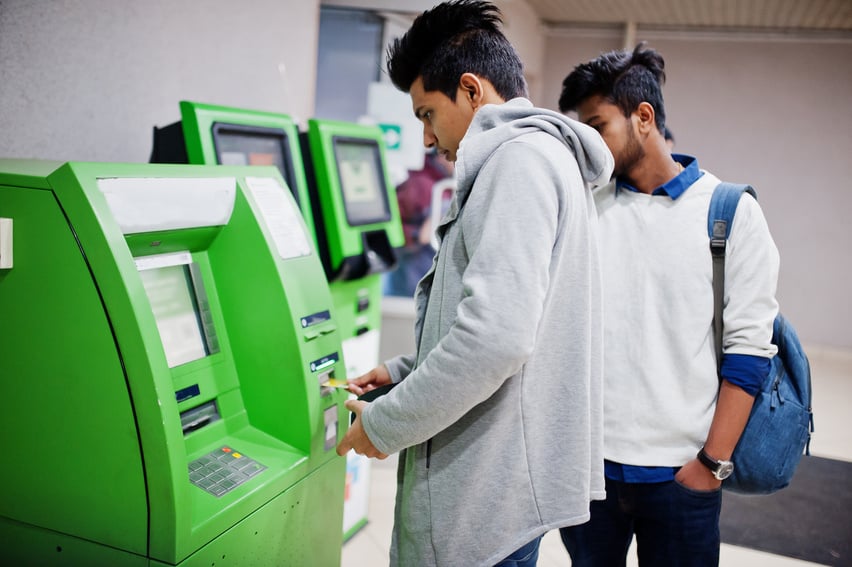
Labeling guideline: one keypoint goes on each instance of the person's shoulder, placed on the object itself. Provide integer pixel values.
(604, 194)
(702, 188)
(748, 208)
(542, 144)
(528, 145)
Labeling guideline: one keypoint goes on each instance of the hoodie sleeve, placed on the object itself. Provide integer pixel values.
(509, 228)
(399, 367)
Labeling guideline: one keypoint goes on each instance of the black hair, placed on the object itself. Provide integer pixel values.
(453, 38)
(667, 134)
(624, 78)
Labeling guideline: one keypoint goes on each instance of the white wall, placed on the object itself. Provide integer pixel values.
(773, 113)
(88, 79)
(523, 28)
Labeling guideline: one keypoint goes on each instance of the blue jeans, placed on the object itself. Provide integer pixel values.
(674, 526)
(526, 556)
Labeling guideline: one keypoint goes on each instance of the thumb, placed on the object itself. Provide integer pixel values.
(355, 406)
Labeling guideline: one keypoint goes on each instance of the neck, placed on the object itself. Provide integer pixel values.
(657, 167)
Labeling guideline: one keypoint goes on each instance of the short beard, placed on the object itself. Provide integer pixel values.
(631, 154)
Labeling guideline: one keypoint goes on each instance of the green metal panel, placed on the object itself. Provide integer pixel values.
(266, 537)
(59, 366)
(198, 120)
(358, 304)
(25, 545)
(96, 419)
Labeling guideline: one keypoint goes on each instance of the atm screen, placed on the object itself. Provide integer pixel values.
(255, 145)
(362, 181)
(171, 290)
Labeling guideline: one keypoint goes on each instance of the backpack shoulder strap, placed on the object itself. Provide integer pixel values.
(720, 218)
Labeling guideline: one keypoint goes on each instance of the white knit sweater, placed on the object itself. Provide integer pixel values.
(660, 380)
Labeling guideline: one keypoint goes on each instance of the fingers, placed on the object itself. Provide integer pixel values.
(356, 438)
(361, 384)
(348, 441)
(376, 377)
(344, 446)
(355, 406)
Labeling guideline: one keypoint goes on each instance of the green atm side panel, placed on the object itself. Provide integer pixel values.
(65, 401)
(102, 475)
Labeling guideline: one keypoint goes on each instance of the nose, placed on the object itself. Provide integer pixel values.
(429, 138)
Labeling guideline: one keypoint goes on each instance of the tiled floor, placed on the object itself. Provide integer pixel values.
(832, 384)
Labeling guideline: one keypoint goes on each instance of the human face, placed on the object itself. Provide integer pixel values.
(618, 132)
(445, 122)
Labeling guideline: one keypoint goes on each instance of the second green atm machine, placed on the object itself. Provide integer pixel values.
(337, 174)
(166, 334)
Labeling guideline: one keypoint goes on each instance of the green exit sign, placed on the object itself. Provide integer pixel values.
(392, 134)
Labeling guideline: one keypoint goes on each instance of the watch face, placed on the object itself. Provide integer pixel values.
(726, 468)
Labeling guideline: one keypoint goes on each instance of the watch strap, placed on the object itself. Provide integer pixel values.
(708, 461)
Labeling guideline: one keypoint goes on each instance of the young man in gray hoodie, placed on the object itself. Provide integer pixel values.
(498, 415)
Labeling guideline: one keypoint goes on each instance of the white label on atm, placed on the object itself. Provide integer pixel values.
(152, 204)
(281, 216)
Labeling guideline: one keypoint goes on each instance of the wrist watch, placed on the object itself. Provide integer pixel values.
(720, 469)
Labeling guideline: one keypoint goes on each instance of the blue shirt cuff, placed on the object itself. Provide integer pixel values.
(746, 371)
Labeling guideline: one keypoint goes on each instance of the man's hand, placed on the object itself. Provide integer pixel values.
(356, 438)
(729, 420)
(373, 379)
(696, 476)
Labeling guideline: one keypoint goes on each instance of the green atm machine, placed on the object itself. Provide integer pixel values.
(167, 332)
(212, 134)
(356, 216)
(358, 226)
(355, 230)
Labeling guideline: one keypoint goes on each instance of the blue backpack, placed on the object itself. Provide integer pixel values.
(779, 428)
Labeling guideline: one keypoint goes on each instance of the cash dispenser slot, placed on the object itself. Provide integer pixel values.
(199, 416)
(315, 333)
(317, 325)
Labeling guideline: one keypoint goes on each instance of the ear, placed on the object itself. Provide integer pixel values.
(472, 89)
(645, 117)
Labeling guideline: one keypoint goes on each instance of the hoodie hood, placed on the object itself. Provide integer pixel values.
(496, 124)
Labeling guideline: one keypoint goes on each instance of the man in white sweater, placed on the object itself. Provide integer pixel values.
(670, 427)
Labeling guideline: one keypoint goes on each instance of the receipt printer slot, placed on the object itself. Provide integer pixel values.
(197, 417)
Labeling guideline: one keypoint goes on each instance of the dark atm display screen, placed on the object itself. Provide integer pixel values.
(255, 145)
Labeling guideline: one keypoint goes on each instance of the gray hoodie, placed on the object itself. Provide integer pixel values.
(498, 416)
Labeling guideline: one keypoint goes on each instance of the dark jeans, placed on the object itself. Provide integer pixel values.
(674, 526)
(526, 556)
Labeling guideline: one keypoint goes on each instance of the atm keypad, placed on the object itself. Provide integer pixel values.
(222, 470)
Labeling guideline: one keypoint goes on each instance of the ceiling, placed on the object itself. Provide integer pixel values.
(728, 15)
(776, 15)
